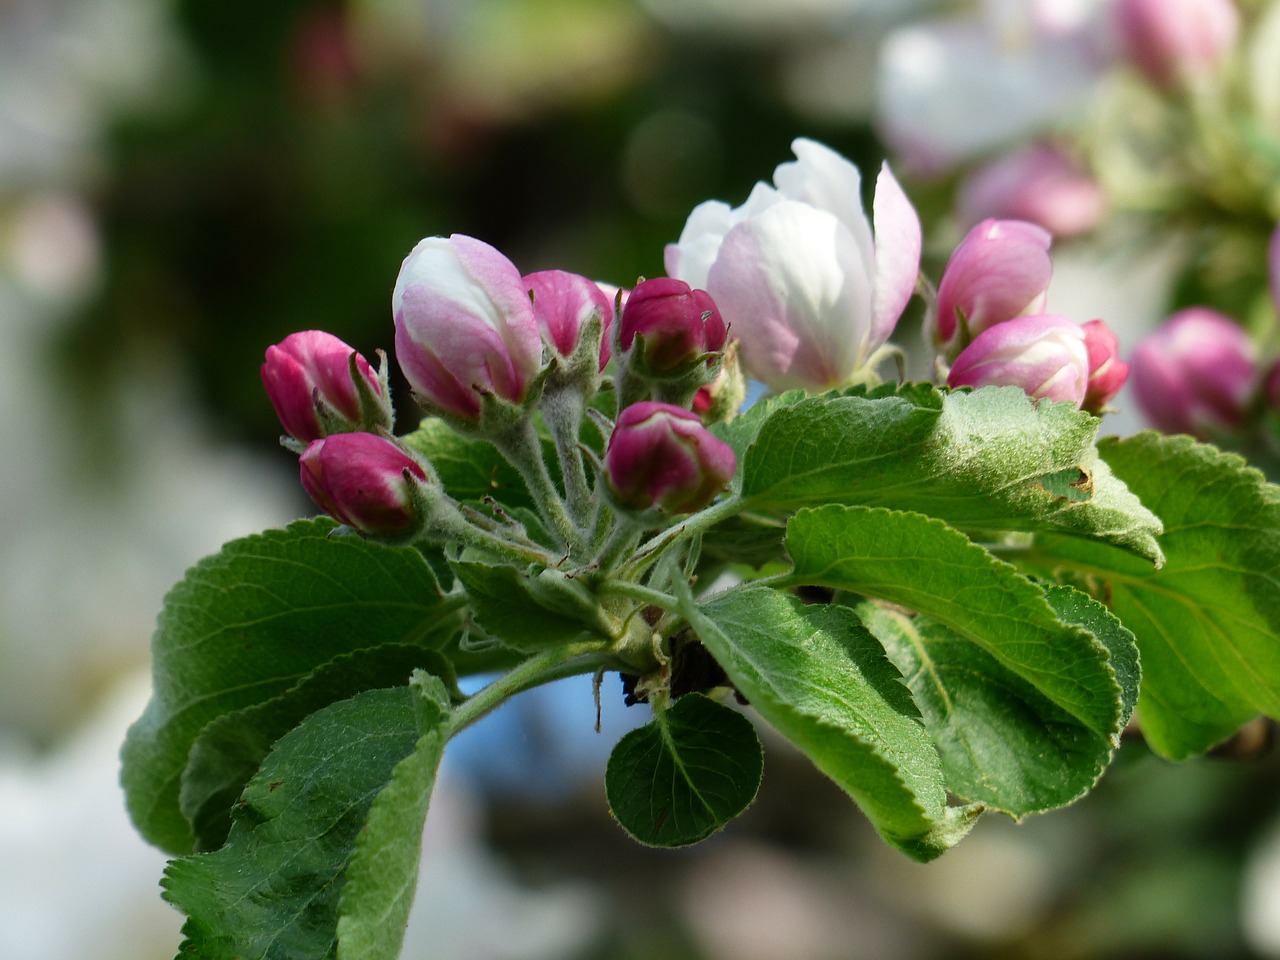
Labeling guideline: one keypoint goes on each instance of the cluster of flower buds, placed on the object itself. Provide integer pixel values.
(990, 322)
(801, 278)
(486, 349)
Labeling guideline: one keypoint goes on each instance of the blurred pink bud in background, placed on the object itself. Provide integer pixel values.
(359, 479)
(1045, 355)
(1107, 372)
(1000, 270)
(661, 455)
(1195, 374)
(464, 325)
(801, 279)
(310, 372)
(1039, 183)
(1169, 40)
(563, 302)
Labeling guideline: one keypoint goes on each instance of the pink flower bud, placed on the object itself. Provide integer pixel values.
(1170, 39)
(1195, 374)
(360, 480)
(1000, 270)
(464, 325)
(1107, 372)
(563, 302)
(1038, 183)
(678, 324)
(1045, 355)
(308, 379)
(661, 455)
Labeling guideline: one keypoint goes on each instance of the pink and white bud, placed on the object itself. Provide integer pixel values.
(1169, 40)
(307, 376)
(679, 324)
(563, 302)
(1195, 374)
(464, 325)
(661, 455)
(1038, 183)
(1107, 372)
(1000, 270)
(799, 276)
(1045, 355)
(364, 481)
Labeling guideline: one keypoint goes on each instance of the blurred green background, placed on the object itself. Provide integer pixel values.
(184, 182)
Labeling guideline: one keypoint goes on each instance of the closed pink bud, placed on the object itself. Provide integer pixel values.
(678, 324)
(464, 325)
(307, 376)
(563, 302)
(1000, 270)
(1107, 372)
(1038, 183)
(360, 479)
(661, 455)
(1170, 39)
(1195, 374)
(1045, 355)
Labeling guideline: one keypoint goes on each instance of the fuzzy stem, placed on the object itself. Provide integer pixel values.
(524, 451)
(556, 664)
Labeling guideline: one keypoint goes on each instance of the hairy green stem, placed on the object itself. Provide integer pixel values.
(569, 660)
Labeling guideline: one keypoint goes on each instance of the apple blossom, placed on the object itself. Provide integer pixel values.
(1045, 355)
(563, 302)
(364, 481)
(797, 273)
(307, 376)
(1196, 373)
(1000, 270)
(1107, 372)
(661, 455)
(465, 327)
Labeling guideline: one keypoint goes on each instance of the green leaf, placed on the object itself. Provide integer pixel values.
(817, 676)
(923, 564)
(684, 775)
(1208, 621)
(383, 873)
(230, 749)
(991, 458)
(247, 624)
(273, 889)
(469, 469)
(528, 609)
(1001, 741)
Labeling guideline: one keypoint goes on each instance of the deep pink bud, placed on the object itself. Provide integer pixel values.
(1170, 39)
(678, 323)
(464, 325)
(1196, 373)
(1038, 183)
(1107, 372)
(563, 302)
(359, 479)
(308, 374)
(661, 455)
(1045, 355)
(1000, 270)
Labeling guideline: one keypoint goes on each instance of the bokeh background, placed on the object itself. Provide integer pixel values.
(183, 182)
